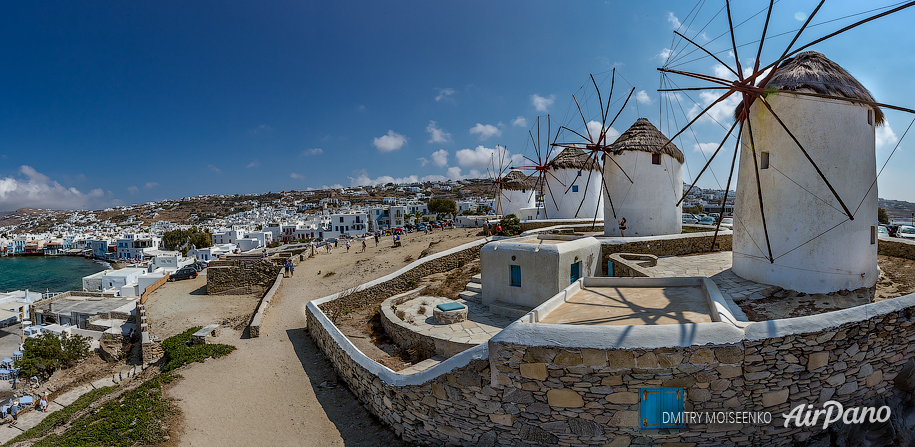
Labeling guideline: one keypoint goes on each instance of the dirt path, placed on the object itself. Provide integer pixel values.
(278, 389)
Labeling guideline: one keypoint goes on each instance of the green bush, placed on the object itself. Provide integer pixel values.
(43, 355)
(178, 353)
(511, 225)
(63, 415)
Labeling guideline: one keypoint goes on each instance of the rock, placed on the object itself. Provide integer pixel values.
(619, 441)
(594, 357)
(568, 358)
(702, 356)
(905, 380)
(699, 394)
(729, 371)
(502, 419)
(774, 398)
(535, 371)
(620, 359)
(647, 360)
(729, 354)
(836, 380)
(848, 388)
(817, 360)
(873, 379)
(564, 398)
(585, 428)
(537, 435)
(623, 398)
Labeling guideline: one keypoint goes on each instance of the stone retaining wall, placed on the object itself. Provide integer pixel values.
(896, 247)
(406, 337)
(671, 245)
(578, 224)
(375, 292)
(225, 275)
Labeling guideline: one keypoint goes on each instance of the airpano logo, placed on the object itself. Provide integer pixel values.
(833, 412)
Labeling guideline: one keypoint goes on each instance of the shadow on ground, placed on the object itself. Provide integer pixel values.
(356, 425)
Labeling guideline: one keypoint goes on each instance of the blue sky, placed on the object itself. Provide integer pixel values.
(119, 103)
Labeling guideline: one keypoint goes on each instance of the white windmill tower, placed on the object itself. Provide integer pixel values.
(578, 176)
(644, 182)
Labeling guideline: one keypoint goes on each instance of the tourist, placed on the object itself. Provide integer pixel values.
(336, 241)
(14, 413)
(347, 245)
(43, 403)
(499, 230)
(363, 246)
(291, 269)
(286, 269)
(376, 238)
(623, 227)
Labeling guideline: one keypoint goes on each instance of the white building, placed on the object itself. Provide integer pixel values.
(798, 205)
(528, 271)
(135, 246)
(646, 190)
(351, 223)
(573, 187)
(515, 192)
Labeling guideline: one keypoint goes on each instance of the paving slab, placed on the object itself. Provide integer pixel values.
(70, 396)
(101, 383)
(30, 419)
(7, 432)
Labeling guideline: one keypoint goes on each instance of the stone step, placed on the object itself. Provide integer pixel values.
(478, 278)
(475, 297)
(423, 365)
(508, 309)
(474, 287)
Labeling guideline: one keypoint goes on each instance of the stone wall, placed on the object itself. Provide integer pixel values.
(577, 224)
(254, 275)
(406, 338)
(404, 279)
(896, 247)
(672, 245)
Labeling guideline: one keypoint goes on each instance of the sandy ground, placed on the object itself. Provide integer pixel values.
(279, 390)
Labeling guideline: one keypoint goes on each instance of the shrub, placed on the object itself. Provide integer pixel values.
(43, 355)
(511, 225)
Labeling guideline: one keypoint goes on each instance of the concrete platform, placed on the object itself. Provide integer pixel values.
(628, 306)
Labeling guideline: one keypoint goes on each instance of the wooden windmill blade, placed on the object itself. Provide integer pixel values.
(760, 82)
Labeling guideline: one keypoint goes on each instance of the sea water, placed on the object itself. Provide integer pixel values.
(46, 273)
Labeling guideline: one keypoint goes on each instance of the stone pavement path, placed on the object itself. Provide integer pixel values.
(32, 417)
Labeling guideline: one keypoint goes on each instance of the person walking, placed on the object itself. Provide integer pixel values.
(347, 245)
(286, 269)
(623, 227)
(499, 230)
(376, 238)
(363, 246)
(43, 403)
(291, 269)
(14, 413)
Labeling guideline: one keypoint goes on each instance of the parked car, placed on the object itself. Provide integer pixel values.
(882, 231)
(689, 219)
(183, 273)
(906, 231)
(716, 216)
(727, 222)
(707, 220)
(891, 229)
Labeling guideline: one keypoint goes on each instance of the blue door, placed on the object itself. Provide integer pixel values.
(576, 272)
(516, 276)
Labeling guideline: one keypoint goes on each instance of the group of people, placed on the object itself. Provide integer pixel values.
(288, 269)
(15, 408)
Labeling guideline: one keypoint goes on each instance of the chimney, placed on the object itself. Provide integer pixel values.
(51, 307)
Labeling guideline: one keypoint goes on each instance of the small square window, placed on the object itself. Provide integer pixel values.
(515, 275)
(763, 160)
(655, 159)
(579, 173)
(574, 188)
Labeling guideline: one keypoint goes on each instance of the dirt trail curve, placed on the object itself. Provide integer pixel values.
(278, 389)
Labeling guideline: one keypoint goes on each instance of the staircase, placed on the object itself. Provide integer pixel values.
(473, 292)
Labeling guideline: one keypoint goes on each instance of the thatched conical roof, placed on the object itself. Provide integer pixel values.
(812, 71)
(643, 136)
(515, 180)
(573, 157)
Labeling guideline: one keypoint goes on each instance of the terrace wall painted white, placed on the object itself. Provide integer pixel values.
(839, 136)
(544, 263)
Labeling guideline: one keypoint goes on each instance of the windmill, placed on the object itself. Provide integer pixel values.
(510, 188)
(540, 164)
(791, 159)
(592, 139)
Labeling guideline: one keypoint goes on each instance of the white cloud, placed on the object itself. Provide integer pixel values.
(437, 135)
(253, 164)
(674, 21)
(723, 112)
(294, 175)
(642, 97)
(390, 142)
(594, 128)
(664, 54)
(151, 184)
(706, 148)
(133, 189)
(440, 158)
(444, 94)
(486, 131)
(363, 179)
(312, 151)
(39, 191)
(423, 161)
(885, 136)
(434, 178)
(214, 169)
(454, 173)
(541, 104)
(483, 158)
(519, 121)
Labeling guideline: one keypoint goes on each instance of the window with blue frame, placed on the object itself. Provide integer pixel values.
(574, 188)
(579, 173)
(661, 408)
(515, 274)
(575, 272)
